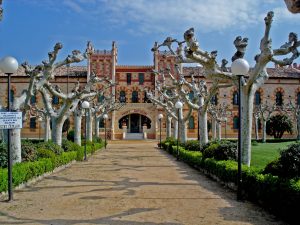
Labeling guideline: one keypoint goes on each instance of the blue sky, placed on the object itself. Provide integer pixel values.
(30, 28)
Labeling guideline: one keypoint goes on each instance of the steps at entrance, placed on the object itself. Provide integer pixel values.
(134, 136)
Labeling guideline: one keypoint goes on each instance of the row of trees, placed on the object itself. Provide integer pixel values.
(220, 76)
(41, 79)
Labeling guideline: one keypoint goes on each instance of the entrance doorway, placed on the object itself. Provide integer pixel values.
(135, 122)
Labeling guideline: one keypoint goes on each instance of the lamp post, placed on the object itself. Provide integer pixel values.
(85, 105)
(160, 116)
(40, 121)
(178, 106)
(240, 67)
(105, 117)
(9, 65)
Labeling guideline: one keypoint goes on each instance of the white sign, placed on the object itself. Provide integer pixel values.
(11, 120)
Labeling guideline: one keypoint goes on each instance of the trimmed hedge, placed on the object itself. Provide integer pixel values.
(278, 195)
(22, 172)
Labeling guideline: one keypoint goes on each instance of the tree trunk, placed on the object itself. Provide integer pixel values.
(47, 129)
(96, 126)
(77, 128)
(264, 133)
(256, 129)
(168, 126)
(15, 145)
(218, 129)
(203, 128)
(213, 129)
(57, 126)
(175, 133)
(246, 126)
(89, 123)
(182, 127)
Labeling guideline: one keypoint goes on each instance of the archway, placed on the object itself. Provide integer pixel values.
(135, 122)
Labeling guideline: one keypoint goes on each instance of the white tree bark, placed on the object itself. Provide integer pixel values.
(77, 126)
(89, 122)
(219, 130)
(168, 126)
(213, 129)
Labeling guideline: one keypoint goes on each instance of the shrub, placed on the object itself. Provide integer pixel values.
(70, 135)
(288, 164)
(278, 124)
(221, 150)
(51, 146)
(28, 151)
(97, 140)
(80, 154)
(192, 145)
(45, 153)
(69, 146)
(3, 154)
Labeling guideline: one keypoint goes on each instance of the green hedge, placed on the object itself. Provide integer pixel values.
(22, 172)
(280, 196)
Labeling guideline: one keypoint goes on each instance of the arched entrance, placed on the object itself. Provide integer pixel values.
(135, 122)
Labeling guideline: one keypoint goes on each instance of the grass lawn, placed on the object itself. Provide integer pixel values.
(263, 153)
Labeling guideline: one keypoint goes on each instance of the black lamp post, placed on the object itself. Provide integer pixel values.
(160, 116)
(9, 65)
(85, 105)
(240, 67)
(105, 117)
(178, 106)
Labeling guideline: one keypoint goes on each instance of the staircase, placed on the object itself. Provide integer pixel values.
(134, 136)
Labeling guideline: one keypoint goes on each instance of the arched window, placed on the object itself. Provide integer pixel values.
(236, 122)
(257, 98)
(55, 100)
(32, 124)
(135, 97)
(169, 93)
(191, 122)
(191, 96)
(122, 96)
(101, 123)
(279, 98)
(214, 100)
(235, 98)
(298, 98)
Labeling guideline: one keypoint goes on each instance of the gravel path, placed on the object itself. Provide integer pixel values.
(129, 183)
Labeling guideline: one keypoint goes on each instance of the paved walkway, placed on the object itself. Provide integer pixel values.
(130, 183)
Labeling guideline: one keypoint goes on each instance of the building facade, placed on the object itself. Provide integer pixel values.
(138, 118)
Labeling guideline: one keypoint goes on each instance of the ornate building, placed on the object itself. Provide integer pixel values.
(139, 117)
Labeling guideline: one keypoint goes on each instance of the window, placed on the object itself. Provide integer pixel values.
(191, 96)
(122, 96)
(32, 122)
(298, 98)
(135, 97)
(257, 98)
(33, 100)
(191, 122)
(279, 99)
(236, 122)
(101, 123)
(100, 99)
(141, 78)
(128, 75)
(55, 100)
(235, 98)
(214, 100)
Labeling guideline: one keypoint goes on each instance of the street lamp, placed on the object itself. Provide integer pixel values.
(240, 68)
(178, 106)
(160, 116)
(40, 121)
(9, 65)
(85, 105)
(105, 117)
